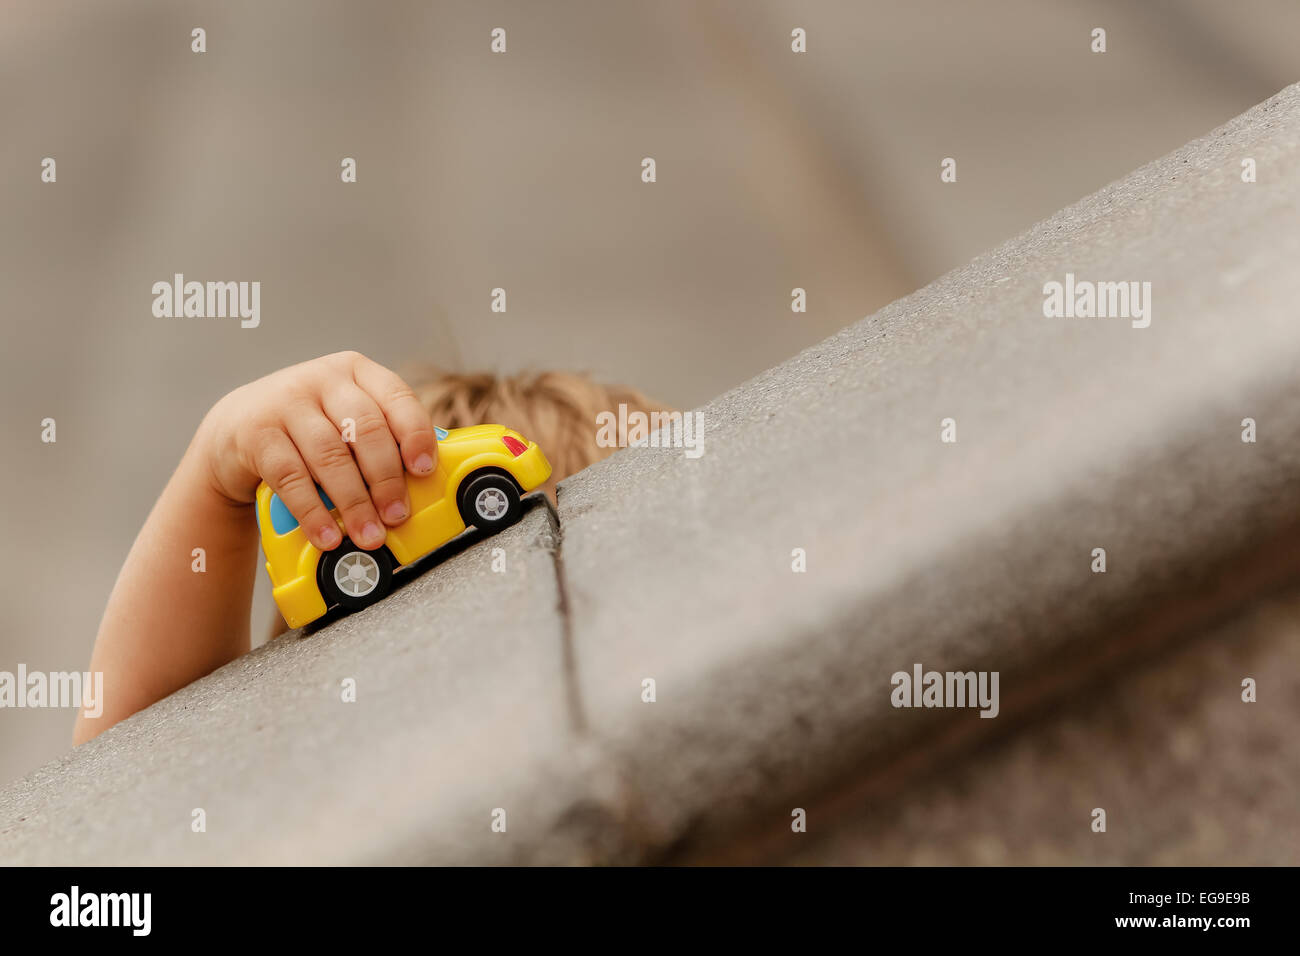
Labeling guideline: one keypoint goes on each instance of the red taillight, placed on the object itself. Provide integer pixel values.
(516, 447)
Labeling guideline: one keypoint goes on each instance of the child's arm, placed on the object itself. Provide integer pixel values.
(166, 624)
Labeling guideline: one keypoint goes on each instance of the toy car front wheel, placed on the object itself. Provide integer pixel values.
(490, 502)
(353, 578)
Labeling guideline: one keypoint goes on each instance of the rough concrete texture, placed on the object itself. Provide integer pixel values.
(1073, 434)
(1186, 773)
(461, 708)
(524, 691)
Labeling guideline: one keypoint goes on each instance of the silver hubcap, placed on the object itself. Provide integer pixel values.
(491, 503)
(356, 574)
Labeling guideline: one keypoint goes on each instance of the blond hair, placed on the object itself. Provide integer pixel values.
(555, 409)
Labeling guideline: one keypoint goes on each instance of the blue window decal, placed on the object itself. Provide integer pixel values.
(440, 432)
(282, 520)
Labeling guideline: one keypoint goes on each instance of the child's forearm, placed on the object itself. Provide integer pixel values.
(175, 615)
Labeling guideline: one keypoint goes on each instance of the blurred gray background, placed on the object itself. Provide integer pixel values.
(520, 170)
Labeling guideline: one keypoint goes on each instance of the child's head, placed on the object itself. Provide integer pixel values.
(555, 409)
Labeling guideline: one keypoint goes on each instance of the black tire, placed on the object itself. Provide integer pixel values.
(489, 501)
(370, 562)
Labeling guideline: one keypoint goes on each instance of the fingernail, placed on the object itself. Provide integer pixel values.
(395, 512)
(424, 463)
(329, 535)
(372, 535)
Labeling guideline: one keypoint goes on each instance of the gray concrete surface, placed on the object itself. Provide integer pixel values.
(461, 708)
(524, 691)
(1187, 773)
(1072, 434)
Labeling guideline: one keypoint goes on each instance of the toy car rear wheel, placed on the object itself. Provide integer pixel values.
(354, 578)
(490, 502)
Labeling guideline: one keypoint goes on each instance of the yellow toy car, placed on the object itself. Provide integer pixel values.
(482, 472)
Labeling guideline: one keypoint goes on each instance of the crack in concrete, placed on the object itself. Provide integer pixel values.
(573, 695)
(613, 824)
(610, 822)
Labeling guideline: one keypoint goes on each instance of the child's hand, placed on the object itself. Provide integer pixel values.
(287, 429)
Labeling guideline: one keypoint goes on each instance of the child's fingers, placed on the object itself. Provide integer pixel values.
(375, 450)
(406, 417)
(330, 460)
(281, 467)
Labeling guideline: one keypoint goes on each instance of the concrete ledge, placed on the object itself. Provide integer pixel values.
(1188, 775)
(461, 708)
(1072, 434)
